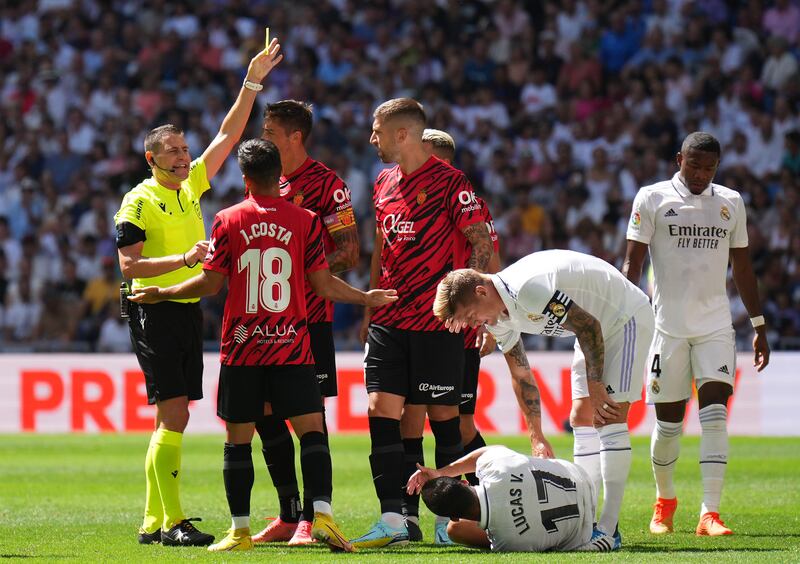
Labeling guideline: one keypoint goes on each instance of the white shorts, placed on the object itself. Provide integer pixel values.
(625, 358)
(673, 362)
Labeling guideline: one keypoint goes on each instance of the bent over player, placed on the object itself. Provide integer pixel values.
(266, 246)
(522, 503)
(693, 229)
(560, 294)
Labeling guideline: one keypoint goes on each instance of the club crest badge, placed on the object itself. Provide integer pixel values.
(724, 213)
(654, 387)
(558, 309)
(421, 197)
(298, 199)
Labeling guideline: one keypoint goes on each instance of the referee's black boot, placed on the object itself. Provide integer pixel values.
(186, 534)
(149, 538)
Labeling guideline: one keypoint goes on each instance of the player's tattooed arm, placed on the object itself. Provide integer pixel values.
(528, 398)
(345, 256)
(590, 336)
(481, 243)
(524, 384)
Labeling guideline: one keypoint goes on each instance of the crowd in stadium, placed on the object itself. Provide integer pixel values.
(560, 112)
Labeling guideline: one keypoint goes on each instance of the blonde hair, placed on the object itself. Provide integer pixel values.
(442, 143)
(455, 289)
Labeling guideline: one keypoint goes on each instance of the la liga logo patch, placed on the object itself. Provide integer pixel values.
(636, 219)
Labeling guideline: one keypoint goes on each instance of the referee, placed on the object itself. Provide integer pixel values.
(160, 238)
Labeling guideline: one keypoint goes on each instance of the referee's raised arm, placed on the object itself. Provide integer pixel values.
(160, 240)
(234, 123)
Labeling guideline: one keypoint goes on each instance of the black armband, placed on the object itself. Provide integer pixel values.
(129, 234)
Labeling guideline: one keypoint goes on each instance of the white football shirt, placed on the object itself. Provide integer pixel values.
(533, 504)
(539, 289)
(690, 239)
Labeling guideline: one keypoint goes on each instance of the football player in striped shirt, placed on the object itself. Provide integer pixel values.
(312, 185)
(410, 357)
(266, 247)
(441, 145)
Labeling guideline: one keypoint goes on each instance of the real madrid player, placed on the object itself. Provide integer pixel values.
(522, 503)
(560, 294)
(692, 227)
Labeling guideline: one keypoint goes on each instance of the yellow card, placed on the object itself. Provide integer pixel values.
(266, 39)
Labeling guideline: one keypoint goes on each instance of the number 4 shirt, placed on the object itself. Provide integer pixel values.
(690, 239)
(265, 246)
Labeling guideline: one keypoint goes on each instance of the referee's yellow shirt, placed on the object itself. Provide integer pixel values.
(172, 222)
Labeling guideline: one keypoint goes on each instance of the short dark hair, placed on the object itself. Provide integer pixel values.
(292, 115)
(701, 141)
(260, 161)
(153, 140)
(401, 107)
(448, 497)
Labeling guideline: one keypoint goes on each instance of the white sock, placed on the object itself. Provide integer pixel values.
(240, 522)
(394, 520)
(713, 454)
(615, 464)
(323, 507)
(665, 446)
(586, 454)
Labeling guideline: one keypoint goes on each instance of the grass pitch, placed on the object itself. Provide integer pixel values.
(80, 498)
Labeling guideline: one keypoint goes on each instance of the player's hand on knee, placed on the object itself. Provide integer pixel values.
(605, 408)
(148, 295)
(420, 478)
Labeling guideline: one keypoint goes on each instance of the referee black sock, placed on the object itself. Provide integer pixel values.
(238, 475)
(278, 451)
(476, 443)
(315, 463)
(386, 462)
(413, 455)
(448, 441)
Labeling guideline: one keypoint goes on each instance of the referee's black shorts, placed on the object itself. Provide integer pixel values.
(167, 338)
(425, 367)
(321, 335)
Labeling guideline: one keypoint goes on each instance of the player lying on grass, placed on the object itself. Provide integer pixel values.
(522, 503)
(266, 247)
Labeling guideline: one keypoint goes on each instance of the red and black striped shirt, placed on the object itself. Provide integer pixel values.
(417, 215)
(265, 246)
(317, 188)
